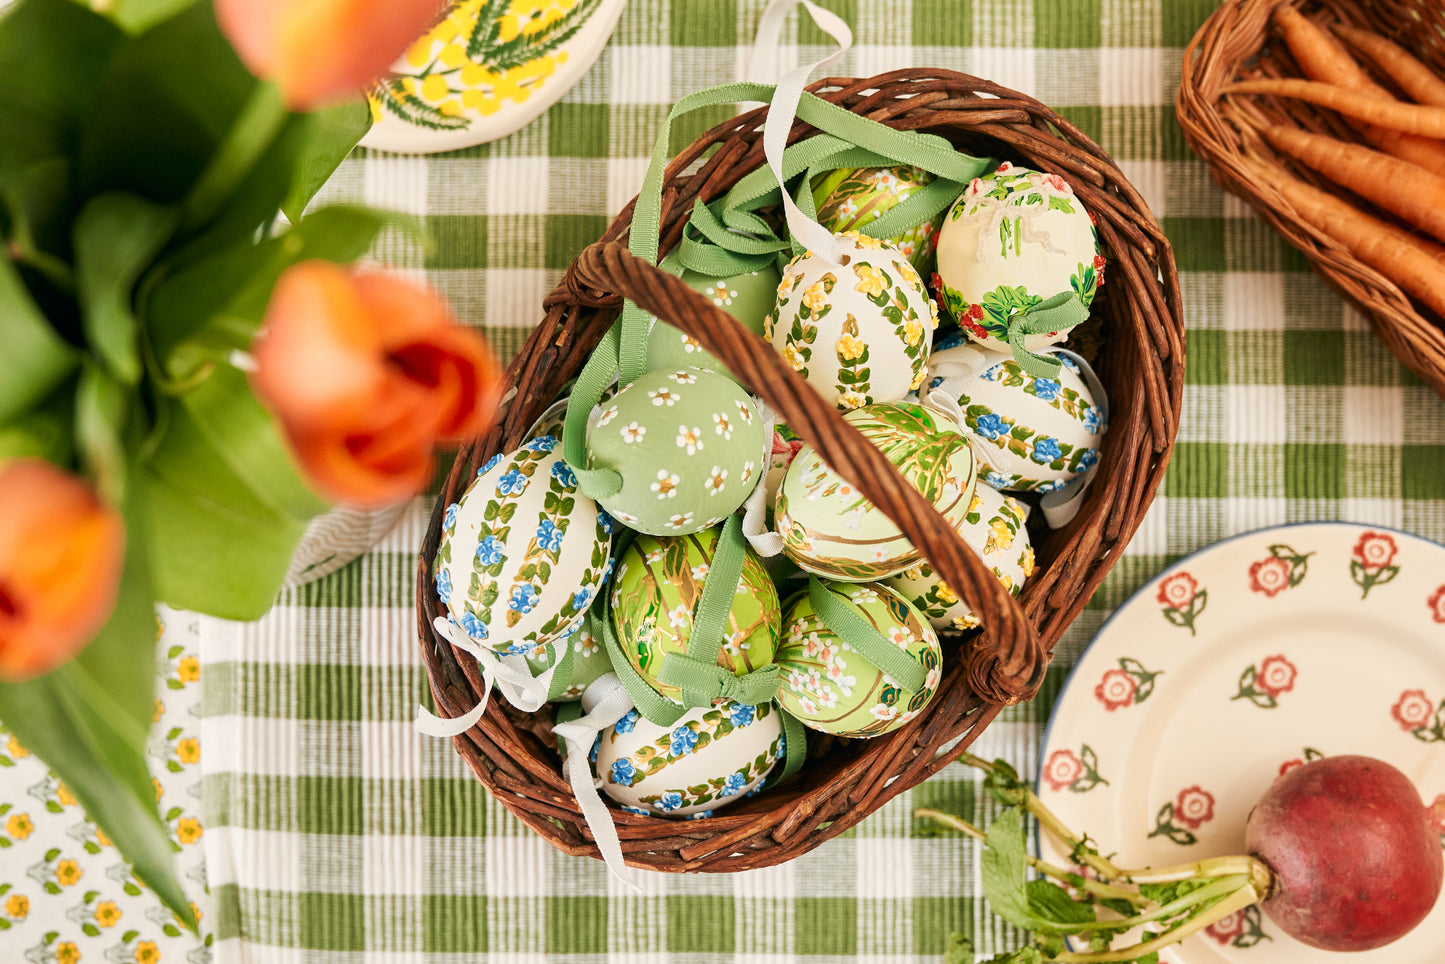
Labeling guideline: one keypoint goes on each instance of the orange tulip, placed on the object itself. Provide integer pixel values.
(322, 51)
(61, 553)
(367, 373)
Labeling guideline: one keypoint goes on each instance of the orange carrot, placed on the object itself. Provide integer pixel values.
(1414, 78)
(1321, 58)
(1408, 261)
(1395, 185)
(1406, 118)
(1317, 53)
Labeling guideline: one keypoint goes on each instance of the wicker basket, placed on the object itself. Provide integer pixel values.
(1141, 363)
(1237, 43)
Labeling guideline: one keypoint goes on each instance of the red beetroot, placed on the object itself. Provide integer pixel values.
(1355, 861)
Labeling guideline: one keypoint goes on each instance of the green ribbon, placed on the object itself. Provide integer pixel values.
(727, 238)
(562, 667)
(795, 749)
(696, 672)
(1062, 312)
(848, 622)
(587, 391)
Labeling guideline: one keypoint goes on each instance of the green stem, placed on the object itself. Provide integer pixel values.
(1055, 827)
(249, 138)
(1095, 887)
(1236, 901)
(1213, 867)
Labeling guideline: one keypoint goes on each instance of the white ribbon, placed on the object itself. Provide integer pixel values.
(784, 108)
(605, 702)
(765, 542)
(1061, 505)
(944, 399)
(510, 674)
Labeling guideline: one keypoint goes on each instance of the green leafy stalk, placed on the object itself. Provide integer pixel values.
(1169, 903)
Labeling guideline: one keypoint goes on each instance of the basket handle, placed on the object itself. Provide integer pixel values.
(1006, 663)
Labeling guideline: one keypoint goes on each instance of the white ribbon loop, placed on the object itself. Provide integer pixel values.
(944, 399)
(764, 541)
(509, 674)
(605, 702)
(784, 108)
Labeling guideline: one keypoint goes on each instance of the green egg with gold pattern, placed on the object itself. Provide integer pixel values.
(656, 588)
(830, 529)
(849, 198)
(831, 687)
(748, 297)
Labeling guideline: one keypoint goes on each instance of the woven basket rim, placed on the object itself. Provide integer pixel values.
(1237, 42)
(1142, 364)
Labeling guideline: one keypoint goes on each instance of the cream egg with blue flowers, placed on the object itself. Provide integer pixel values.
(523, 553)
(710, 757)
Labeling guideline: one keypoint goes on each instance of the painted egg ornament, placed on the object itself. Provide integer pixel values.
(688, 444)
(656, 589)
(1045, 431)
(994, 528)
(710, 757)
(830, 529)
(589, 661)
(550, 422)
(523, 552)
(831, 687)
(1014, 239)
(850, 198)
(858, 333)
(748, 297)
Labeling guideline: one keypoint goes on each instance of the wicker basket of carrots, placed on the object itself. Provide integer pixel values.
(1328, 117)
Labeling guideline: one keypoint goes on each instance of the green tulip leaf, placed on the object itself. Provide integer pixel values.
(52, 54)
(232, 287)
(332, 134)
(138, 16)
(116, 236)
(217, 547)
(248, 438)
(102, 406)
(46, 431)
(165, 102)
(33, 358)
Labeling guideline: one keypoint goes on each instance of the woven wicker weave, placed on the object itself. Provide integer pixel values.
(1237, 43)
(1141, 363)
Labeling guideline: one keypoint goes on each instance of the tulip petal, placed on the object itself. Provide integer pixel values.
(61, 552)
(318, 356)
(330, 50)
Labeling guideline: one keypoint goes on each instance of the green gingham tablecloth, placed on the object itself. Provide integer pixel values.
(335, 834)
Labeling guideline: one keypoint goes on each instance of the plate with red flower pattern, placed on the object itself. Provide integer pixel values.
(1232, 666)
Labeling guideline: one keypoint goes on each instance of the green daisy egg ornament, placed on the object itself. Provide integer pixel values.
(850, 198)
(748, 297)
(1012, 240)
(1045, 431)
(655, 593)
(830, 529)
(710, 757)
(830, 686)
(589, 661)
(993, 528)
(688, 444)
(860, 332)
(523, 552)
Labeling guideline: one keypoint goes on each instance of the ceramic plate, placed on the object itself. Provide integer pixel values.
(486, 69)
(1233, 665)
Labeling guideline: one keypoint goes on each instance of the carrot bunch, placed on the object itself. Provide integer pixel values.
(1401, 172)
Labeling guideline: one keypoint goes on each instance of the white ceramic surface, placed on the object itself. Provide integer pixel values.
(1262, 650)
(483, 103)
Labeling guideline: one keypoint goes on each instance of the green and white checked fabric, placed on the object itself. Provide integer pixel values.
(336, 835)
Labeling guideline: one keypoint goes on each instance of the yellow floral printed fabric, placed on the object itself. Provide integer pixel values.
(66, 896)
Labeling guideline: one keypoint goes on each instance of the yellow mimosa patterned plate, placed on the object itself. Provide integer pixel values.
(486, 69)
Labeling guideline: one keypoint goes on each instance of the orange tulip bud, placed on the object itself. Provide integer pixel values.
(367, 373)
(61, 553)
(322, 51)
